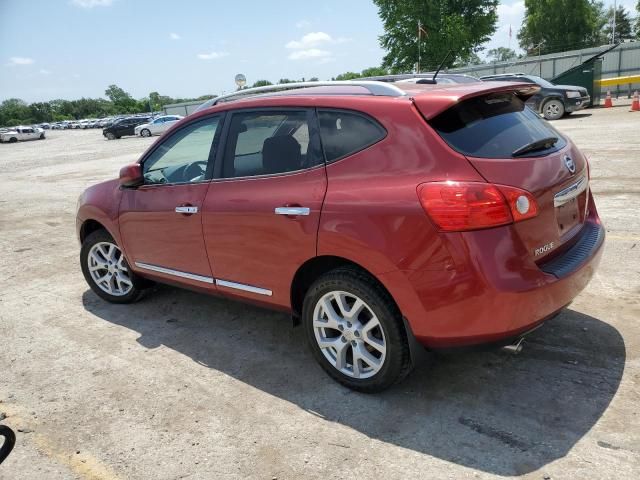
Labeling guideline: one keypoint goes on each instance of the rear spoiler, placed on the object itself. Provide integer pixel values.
(433, 102)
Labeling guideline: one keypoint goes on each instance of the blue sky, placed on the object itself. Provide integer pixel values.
(74, 48)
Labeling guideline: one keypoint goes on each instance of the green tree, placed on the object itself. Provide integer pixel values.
(638, 19)
(501, 54)
(285, 80)
(448, 25)
(374, 72)
(348, 76)
(261, 83)
(123, 102)
(624, 27)
(555, 25)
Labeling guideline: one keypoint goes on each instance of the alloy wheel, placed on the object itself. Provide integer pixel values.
(349, 334)
(108, 269)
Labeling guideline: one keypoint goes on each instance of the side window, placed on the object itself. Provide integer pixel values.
(184, 156)
(344, 133)
(269, 142)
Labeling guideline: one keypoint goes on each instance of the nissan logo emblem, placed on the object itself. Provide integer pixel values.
(570, 164)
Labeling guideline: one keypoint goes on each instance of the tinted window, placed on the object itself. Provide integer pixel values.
(184, 156)
(263, 143)
(344, 133)
(493, 126)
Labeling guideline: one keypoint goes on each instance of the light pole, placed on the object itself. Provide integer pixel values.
(613, 29)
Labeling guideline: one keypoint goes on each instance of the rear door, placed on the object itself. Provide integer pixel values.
(491, 131)
(261, 214)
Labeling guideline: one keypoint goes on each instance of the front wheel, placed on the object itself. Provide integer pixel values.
(145, 133)
(110, 136)
(42, 136)
(106, 270)
(355, 331)
(553, 110)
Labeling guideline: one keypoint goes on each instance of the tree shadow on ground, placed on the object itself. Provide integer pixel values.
(501, 414)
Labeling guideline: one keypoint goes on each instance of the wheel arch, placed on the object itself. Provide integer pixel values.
(312, 269)
(89, 226)
(547, 99)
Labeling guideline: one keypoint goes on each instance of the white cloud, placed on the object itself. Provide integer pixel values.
(212, 55)
(45, 72)
(303, 24)
(13, 61)
(310, 40)
(91, 3)
(313, 46)
(310, 53)
(174, 36)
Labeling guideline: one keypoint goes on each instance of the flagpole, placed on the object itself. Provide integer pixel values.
(419, 33)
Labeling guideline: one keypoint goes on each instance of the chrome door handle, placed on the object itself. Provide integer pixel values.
(292, 211)
(187, 209)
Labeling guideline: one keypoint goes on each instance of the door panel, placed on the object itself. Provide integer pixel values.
(161, 221)
(249, 244)
(154, 233)
(271, 160)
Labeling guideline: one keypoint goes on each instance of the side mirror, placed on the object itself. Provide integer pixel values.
(131, 175)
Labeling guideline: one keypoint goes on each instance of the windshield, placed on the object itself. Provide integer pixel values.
(540, 81)
(494, 126)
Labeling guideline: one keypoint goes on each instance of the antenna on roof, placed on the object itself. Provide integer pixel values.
(432, 80)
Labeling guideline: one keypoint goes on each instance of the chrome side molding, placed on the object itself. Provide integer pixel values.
(242, 286)
(571, 192)
(175, 273)
(204, 279)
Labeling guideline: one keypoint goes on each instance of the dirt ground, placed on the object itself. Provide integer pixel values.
(182, 385)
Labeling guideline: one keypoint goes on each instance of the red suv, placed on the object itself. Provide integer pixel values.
(382, 218)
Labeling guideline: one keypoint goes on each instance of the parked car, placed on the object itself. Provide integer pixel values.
(425, 78)
(476, 228)
(552, 101)
(123, 127)
(157, 125)
(19, 134)
(45, 126)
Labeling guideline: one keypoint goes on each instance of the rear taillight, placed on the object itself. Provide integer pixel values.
(461, 206)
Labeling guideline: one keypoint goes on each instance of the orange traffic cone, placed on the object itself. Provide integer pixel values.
(635, 106)
(607, 101)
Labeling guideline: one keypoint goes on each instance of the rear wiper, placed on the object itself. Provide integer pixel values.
(541, 144)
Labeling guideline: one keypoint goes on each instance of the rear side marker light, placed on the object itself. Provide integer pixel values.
(463, 206)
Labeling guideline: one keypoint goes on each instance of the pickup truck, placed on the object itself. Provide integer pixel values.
(22, 133)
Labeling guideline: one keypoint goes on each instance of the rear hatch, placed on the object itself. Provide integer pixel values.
(509, 144)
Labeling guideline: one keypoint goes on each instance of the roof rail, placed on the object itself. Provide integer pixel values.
(382, 89)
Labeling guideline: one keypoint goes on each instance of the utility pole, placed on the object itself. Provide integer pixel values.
(613, 34)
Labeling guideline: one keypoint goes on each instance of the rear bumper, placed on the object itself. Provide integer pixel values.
(494, 291)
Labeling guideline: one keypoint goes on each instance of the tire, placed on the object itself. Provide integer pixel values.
(110, 136)
(42, 136)
(101, 246)
(377, 368)
(553, 109)
(13, 140)
(145, 132)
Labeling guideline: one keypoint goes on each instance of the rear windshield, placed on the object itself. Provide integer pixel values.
(494, 126)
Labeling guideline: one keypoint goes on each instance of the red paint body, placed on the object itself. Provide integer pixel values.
(458, 288)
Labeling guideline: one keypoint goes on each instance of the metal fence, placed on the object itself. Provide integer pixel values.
(621, 61)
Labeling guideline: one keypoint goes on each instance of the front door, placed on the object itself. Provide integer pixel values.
(161, 221)
(261, 216)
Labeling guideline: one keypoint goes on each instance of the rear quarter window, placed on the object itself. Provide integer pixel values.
(345, 133)
(493, 126)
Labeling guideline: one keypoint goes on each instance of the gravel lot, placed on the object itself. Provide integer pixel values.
(182, 385)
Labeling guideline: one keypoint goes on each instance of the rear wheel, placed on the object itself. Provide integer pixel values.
(355, 331)
(553, 109)
(106, 270)
(145, 132)
(13, 140)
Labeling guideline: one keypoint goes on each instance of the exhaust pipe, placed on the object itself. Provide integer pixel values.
(515, 348)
